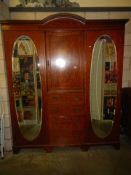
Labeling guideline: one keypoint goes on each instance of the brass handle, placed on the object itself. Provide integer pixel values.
(55, 98)
(61, 116)
(55, 110)
(76, 110)
(77, 98)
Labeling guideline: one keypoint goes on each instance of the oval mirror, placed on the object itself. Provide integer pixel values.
(27, 87)
(103, 86)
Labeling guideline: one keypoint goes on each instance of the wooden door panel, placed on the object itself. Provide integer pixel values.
(65, 86)
(64, 51)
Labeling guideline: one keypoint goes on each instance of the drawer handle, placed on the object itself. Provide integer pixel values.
(55, 110)
(55, 98)
(61, 116)
(76, 110)
(77, 98)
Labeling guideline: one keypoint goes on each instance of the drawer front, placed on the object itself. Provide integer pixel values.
(68, 140)
(67, 123)
(76, 98)
(63, 109)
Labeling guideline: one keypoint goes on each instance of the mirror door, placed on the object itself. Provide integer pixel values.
(26, 84)
(103, 85)
(27, 87)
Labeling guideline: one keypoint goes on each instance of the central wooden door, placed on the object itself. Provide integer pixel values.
(66, 113)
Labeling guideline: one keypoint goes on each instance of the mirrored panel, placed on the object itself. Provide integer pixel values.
(103, 86)
(27, 87)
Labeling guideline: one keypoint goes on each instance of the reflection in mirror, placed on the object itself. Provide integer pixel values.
(103, 86)
(27, 87)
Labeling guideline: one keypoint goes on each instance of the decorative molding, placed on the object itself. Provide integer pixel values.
(70, 9)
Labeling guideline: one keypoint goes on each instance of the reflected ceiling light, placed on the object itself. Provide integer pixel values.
(38, 64)
(60, 62)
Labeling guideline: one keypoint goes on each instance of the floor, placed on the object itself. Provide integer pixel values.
(98, 160)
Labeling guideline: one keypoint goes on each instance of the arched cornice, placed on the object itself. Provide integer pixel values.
(64, 16)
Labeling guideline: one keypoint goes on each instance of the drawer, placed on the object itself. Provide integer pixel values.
(55, 98)
(59, 121)
(66, 132)
(67, 123)
(66, 98)
(68, 140)
(63, 109)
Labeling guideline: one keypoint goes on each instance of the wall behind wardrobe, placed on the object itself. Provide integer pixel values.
(92, 3)
(4, 15)
(126, 81)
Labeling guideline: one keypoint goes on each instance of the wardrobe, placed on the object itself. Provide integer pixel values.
(64, 78)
